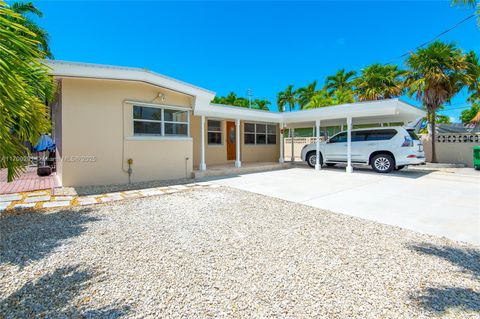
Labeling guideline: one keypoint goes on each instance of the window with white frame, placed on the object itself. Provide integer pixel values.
(260, 134)
(214, 132)
(160, 121)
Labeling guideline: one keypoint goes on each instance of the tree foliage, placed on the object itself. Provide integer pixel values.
(305, 94)
(25, 85)
(378, 82)
(341, 81)
(25, 10)
(473, 71)
(436, 74)
(320, 99)
(469, 3)
(287, 97)
(469, 114)
(233, 99)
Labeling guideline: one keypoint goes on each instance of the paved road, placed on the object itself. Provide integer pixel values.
(437, 203)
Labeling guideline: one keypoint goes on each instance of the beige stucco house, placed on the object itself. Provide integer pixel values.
(107, 117)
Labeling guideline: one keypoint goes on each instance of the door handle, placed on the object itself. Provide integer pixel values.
(371, 144)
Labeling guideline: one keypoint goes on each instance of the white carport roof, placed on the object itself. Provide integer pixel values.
(384, 111)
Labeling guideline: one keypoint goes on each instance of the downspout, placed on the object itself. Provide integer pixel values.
(129, 171)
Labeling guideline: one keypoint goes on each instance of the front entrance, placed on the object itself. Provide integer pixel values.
(231, 144)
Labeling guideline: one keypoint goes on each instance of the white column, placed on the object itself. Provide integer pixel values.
(292, 135)
(203, 166)
(349, 145)
(317, 130)
(237, 129)
(281, 159)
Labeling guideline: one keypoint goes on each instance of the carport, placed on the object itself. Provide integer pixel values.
(362, 113)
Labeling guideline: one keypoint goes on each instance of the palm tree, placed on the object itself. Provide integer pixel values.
(286, 97)
(320, 99)
(305, 94)
(28, 8)
(230, 98)
(242, 102)
(378, 82)
(436, 74)
(473, 70)
(469, 3)
(261, 105)
(343, 96)
(340, 81)
(25, 84)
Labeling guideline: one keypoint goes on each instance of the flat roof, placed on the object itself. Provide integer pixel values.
(390, 110)
(101, 71)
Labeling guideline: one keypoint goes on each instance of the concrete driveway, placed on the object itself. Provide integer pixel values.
(437, 203)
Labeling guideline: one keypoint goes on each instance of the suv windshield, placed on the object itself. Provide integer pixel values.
(413, 135)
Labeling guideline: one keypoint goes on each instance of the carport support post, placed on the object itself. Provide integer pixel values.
(317, 131)
(238, 164)
(203, 166)
(349, 168)
(281, 159)
(292, 135)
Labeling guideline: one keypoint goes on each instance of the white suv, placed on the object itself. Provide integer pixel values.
(384, 148)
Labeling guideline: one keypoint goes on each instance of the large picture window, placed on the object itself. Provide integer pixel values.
(260, 134)
(160, 121)
(214, 132)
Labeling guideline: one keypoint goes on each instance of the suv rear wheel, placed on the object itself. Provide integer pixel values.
(383, 163)
(312, 159)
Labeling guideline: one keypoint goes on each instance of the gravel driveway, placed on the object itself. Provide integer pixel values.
(220, 252)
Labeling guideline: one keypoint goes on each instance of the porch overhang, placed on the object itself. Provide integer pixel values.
(384, 111)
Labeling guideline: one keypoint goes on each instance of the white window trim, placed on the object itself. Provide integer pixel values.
(255, 134)
(157, 138)
(210, 131)
(162, 122)
(159, 106)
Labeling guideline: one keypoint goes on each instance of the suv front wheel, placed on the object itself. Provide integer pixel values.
(312, 159)
(383, 163)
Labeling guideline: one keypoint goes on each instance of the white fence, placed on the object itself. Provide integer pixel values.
(298, 144)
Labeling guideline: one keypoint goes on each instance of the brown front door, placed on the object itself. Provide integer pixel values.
(231, 145)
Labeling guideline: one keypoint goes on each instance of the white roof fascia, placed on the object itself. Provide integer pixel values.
(385, 108)
(85, 70)
(236, 112)
(410, 109)
(361, 109)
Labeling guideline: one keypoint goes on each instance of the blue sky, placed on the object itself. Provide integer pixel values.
(265, 46)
